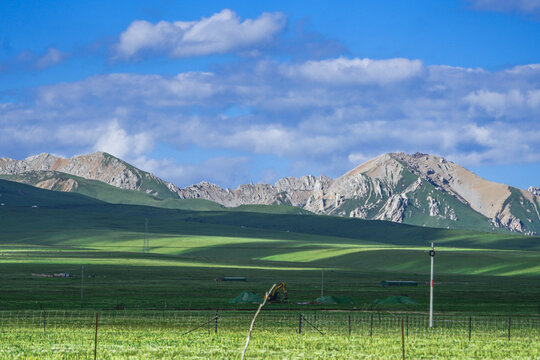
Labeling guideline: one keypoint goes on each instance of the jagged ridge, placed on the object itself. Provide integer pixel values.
(97, 166)
(417, 189)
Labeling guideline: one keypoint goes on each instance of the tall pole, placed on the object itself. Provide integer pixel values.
(432, 255)
(82, 282)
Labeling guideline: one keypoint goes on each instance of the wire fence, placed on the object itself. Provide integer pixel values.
(325, 323)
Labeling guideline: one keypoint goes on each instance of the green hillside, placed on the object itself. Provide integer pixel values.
(13, 194)
(188, 249)
(108, 193)
(272, 209)
(111, 194)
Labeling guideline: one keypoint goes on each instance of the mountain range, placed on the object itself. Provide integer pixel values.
(418, 189)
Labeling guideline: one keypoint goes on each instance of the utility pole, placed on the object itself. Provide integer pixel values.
(322, 282)
(432, 255)
(82, 282)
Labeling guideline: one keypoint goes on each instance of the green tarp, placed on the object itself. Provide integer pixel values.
(247, 297)
(333, 300)
(395, 300)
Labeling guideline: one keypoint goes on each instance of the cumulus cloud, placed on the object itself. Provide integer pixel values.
(116, 141)
(27, 60)
(523, 6)
(357, 158)
(316, 125)
(221, 33)
(52, 57)
(509, 104)
(495, 103)
(357, 71)
(231, 171)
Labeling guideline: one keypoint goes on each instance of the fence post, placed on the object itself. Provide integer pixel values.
(216, 325)
(371, 326)
(95, 338)
(349, 325)
(407, 320)
(300, 324)
(402, 339)
(44, 321)
(470, 326)
(509, 324)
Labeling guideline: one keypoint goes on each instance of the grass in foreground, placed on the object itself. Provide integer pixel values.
(135, 336)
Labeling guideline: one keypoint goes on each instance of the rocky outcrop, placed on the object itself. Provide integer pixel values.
(394, 208)
(535, 190)
(97, 166)
(433, 207)
(508, 221)
(287, 191)
(65, 185)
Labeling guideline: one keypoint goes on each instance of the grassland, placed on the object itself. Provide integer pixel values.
(189, 249)
(478, 274)
(106, 193)
(61, 335)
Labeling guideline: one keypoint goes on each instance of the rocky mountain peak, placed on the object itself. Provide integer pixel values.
(303, 183)
(99, 166)
(418, 189)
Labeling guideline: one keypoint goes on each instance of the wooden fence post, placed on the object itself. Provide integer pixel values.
(43, 321)
(216, 325)
(349, 325)
(95, 338)
(402, 339)
(300, 324)
(509, 325)
(470, 327)
(371, 326)
(407, 319)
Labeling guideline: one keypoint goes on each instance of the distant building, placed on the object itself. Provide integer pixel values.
(387, 283)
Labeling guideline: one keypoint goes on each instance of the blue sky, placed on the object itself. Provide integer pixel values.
(235, 92)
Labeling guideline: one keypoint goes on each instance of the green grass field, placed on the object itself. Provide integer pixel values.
(170, 334)
(476, 274)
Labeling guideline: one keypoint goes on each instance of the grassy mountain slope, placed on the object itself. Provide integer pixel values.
(188, 249)
(104, 192)
(13, 194)
(111, 194)
(55, 217)
(418, 212)
(526, 210)
(272, 209)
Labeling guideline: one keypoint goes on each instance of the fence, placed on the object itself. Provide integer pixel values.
(331, 323)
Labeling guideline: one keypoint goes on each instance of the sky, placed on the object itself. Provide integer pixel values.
(234, 92)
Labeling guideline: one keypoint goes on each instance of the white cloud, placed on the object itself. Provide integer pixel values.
(358, 158)
(471, 115)
(116, 141)
(510, 103)
(523, 6)
(533, 98)
(357, 71)
(51, 58)
(495, 103)
(524, 69)
(221, 33)
(225, 171)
